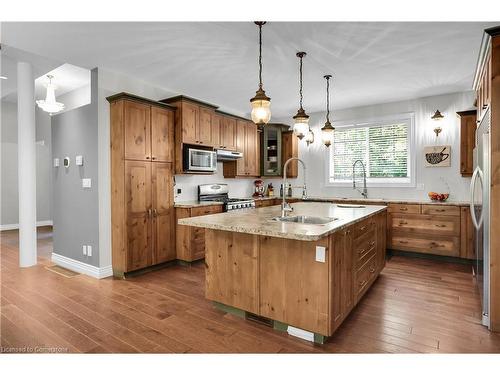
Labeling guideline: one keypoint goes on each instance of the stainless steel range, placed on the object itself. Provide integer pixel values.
(220, 193)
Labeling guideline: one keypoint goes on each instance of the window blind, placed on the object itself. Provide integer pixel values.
(382, 148)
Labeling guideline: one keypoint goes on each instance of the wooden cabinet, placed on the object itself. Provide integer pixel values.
(431, 229)
(467, 141)
(142, 216)
(483, 89)
(467, 233)
(190, 241)
(227, 133)
(247, 142)
(290, 149)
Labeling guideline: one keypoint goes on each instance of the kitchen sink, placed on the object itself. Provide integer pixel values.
(306, 219)
(350, 206)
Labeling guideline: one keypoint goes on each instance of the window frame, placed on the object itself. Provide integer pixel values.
(408, 117)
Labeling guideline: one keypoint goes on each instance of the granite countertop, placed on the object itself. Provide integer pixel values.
(259, 221)
(191, 204)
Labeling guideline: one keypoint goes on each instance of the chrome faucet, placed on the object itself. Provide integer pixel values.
(285, 206)
(364, 193)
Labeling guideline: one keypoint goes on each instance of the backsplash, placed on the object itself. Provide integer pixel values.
(238, 188)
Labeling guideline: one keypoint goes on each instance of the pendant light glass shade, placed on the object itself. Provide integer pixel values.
(327, 130)
(261, 103)
(301, 119)
(50, 104)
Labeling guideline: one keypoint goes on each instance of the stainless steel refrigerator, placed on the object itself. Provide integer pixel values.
(479, 209)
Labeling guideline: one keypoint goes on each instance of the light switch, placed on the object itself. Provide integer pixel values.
(86, 183)
(320, 254)
(56, 162)
(84, 249)
(79, 160)
(89, 250)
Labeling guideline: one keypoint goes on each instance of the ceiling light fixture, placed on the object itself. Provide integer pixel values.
(261, 103)
(301, 119)
(437, 116)
(327, 130)
(50, 104)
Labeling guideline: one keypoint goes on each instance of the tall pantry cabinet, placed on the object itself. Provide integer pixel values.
(142, 202)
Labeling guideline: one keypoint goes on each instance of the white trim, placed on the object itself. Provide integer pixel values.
(380, 121)
(300, 333)
(80, 267)
(42, 223)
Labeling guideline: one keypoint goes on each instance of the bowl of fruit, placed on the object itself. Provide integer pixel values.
(438, 197)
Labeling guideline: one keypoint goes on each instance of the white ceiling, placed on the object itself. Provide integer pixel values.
(66, 78)
(371, 62)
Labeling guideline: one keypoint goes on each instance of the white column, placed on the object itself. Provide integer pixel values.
(26, 157)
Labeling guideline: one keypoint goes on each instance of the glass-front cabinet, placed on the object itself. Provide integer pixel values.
(271, 164)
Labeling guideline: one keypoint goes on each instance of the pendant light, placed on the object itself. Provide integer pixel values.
(261, 103)
(301, 119)
(50, 104)
(327, 129)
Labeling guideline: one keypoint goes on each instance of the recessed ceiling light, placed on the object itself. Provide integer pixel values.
(3, 77)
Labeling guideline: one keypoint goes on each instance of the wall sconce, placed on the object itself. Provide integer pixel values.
(437, 116)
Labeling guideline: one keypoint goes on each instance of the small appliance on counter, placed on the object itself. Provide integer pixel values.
(270, 190)
(259, 189)
(220, 193)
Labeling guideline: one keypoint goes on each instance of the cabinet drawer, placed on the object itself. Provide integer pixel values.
(426, 224)
(365, 246)
(449, 246)
(365, 275)
(429, 209)
(363, 227)
(206, 210)
(403, 208)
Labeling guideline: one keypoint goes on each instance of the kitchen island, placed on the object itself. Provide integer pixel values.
(293, 275)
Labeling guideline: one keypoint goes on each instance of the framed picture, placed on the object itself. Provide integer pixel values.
(437, 156)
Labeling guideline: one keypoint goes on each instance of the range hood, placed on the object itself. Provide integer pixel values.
(224, 155)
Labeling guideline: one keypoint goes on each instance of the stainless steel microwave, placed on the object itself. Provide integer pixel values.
(199, 160)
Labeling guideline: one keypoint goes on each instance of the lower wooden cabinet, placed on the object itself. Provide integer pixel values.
(149, 214)
(430, 229)
(190, 241)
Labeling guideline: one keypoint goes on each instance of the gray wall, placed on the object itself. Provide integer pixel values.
(9, 193)
(76, 210)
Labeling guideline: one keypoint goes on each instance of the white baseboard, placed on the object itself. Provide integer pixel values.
(80, 267)
(42, 223)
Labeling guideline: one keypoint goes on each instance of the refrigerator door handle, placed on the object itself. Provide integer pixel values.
(477, 173)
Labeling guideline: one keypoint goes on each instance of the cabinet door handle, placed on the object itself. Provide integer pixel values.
(150, 212)
(441, 225)
(200, 142)
(154, 212)
(403, 242)
(440, 210)
(403, 209)
(403, 222)
(436, 244)
(147, 157)
(153, 157)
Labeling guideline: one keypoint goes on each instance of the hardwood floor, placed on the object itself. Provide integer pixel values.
(416, 305)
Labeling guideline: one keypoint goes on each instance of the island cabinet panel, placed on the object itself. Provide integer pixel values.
(232, 270)
(294, 286)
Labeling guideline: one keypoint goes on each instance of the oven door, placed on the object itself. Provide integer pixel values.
(197, 160)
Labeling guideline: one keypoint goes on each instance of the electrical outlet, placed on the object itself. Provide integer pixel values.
(56, 162)
(79, 160)
(89, 250)
(179, 191)
(320, 254)
(84, 248)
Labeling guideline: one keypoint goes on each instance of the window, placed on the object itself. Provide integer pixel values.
(384, 146)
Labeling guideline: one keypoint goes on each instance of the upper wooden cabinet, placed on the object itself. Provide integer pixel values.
(483, 90)
(228, 133)
(290, 149)
(149, 131)
(193, 120)
(467, 141)
(247, 142)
